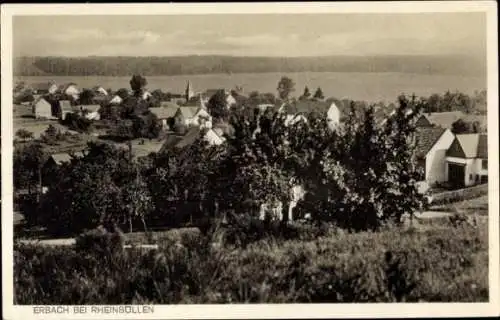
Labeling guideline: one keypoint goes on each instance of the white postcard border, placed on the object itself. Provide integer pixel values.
(262, 310)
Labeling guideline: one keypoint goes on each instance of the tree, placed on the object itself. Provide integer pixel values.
(24, 134)
(461, 126)
(86, 96)
(318, 94)
(217, 105)
(28, 161)
(122, 93)
(285, 87)
(306, 93)
(137, 84)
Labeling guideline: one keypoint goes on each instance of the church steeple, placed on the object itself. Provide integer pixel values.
(189, 91)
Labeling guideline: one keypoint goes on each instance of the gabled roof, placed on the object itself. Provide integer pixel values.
(40, 99)
(426, 138)
(188, 111)
(444, 119)
(164, 112)
(472, 146)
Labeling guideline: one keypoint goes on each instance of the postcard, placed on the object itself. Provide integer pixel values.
(250, 160)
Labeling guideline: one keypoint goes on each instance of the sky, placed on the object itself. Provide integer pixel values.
(251, 35)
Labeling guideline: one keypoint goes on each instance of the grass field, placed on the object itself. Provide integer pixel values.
(434, 261)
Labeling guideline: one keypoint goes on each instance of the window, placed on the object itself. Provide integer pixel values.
(485, 163)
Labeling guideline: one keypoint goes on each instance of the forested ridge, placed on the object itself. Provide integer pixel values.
(176, 65)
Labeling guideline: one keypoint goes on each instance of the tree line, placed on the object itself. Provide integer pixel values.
(123, 66)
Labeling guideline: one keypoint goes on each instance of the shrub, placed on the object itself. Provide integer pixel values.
(439, 265)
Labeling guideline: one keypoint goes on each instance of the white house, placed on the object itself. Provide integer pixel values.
(467, 160)
(70, 89)
(116, 100)
(213, 138)
(305, 107)
(431, 146)
(41, 108)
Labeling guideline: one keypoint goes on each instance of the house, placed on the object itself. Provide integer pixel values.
(70, 89)
(467, 160)
(230, 100)
(58, 159)
(292, 119)
(185, 115)
(431, 146)
(116, 100)
(41, 108)
(146, 95)
(327, 109)
(90, 111)
(164, 113)
(63, 108)
(44, 88)
(100, 90)
(441, 119)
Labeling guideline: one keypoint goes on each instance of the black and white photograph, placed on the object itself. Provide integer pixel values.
(249, 155)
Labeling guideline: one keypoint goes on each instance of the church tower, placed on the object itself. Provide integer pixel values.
(189, 91)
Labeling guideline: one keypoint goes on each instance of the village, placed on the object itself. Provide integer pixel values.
(450, 158)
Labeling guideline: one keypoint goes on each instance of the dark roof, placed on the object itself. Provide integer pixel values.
(307, 106)
(471, 146)
(190, 137)
(426, 137)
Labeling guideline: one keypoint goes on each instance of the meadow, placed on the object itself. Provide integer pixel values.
(367, 86)
(438, 263)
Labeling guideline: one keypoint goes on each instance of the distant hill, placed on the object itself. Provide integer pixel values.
(151, 66)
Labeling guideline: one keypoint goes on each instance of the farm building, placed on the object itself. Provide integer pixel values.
(43, 88)
(432, 144)
(441, 119)
(41, 108)
(467, 160)
(164, 113)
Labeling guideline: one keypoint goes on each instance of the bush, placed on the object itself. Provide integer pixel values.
(440, 265)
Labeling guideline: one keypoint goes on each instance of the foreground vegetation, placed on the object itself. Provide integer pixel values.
(439, 264)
